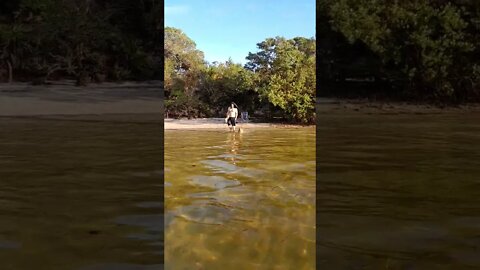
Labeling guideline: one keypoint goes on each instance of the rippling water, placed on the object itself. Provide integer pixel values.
(80, 194)
(240, 201)
(399, 191)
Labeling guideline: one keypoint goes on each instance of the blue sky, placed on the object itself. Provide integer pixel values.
(232, 28)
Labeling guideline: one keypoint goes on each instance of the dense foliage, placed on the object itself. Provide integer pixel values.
(421, 49)
(279, 79)
(80, 39)
(286, 72)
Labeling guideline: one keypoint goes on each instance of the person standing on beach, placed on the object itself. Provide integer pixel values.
(232, 115)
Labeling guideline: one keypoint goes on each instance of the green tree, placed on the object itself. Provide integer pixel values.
(227, 82)
(183, 69)
(286, 75)
(85, 40)
(431, 43)
(281, 74)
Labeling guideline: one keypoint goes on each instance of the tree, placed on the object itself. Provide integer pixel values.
(183, 68)
(428, 42)
(85, 40)
(286, 75)
(227, 82)
(280, 74)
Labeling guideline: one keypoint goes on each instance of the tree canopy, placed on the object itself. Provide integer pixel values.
(422, 49)
(85, 40)
(286, 72)
(278, 79)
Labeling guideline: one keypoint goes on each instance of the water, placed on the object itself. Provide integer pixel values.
(81, 193)
(395, 192)
(240, 201)
(399, 191)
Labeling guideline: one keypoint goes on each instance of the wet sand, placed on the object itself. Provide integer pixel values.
(332, 105)
(127, 101)
(65, 99)
(208, 123)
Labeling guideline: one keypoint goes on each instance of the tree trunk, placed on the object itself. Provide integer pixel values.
(10, 72)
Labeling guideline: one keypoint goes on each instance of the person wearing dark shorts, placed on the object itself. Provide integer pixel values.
(232, 115)
(231, 121)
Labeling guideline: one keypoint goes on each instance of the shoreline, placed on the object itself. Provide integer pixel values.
(219, 123)
(64, 98)
(365, 106)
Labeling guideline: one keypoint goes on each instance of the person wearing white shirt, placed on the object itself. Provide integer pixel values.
(232, 115)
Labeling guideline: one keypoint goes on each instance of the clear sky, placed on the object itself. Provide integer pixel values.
(232, 28)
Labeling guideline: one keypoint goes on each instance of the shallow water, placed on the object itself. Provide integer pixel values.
(81, 194)
(399, 191)
(240, 201)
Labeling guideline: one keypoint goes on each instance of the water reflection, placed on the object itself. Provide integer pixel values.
(240, 201)
(118, 266)
(399, 192)
(80, 194)
(234, 142)
(9, 244)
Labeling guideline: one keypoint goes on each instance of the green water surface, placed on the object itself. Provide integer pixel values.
(399, 191)
(81, 194)
(240, 201)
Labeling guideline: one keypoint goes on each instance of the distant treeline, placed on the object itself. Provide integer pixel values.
(85, 40)
(277, 81)
(421, 50)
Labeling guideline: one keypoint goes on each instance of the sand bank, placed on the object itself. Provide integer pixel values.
(209, 123)
(332, 105)
(64, 98)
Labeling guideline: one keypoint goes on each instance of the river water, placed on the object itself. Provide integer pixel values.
(240, 201)
(399, 191)
(81, 193)
(394, 192)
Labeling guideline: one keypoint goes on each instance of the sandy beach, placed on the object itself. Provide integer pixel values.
(120, 102)
(64, 98)
(210, 123)
(332, 105)
(142, 101)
